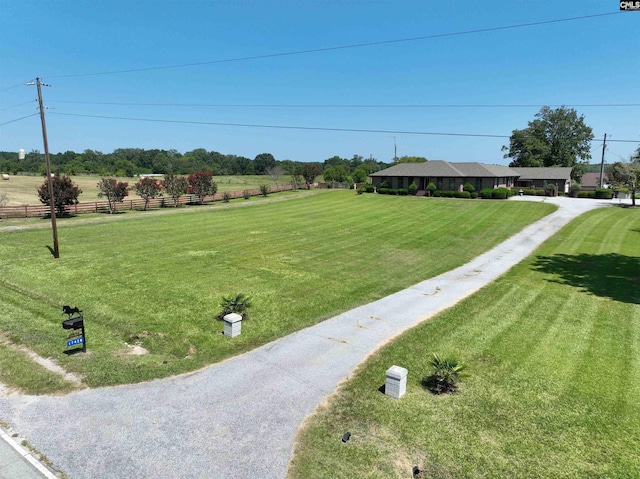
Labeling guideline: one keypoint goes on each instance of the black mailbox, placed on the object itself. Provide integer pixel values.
(73, 323)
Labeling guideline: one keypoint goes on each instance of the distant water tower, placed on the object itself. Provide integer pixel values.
(21, 154)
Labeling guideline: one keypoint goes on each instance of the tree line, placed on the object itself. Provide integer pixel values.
(129, 162)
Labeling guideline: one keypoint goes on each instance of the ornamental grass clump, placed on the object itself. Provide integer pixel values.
(238, 304)
(446, 374)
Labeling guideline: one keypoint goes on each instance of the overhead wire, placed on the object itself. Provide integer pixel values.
(337, 105)
(340, 47)
(291, 127)
(18, 119)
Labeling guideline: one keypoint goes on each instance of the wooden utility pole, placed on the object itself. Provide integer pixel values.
(604, 145)
(54, 228)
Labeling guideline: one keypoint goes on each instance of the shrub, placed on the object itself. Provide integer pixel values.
(449, 194)
(499, 194)
(368, 188)
(413, 188)
(385, 184)
(65, 192)
(551, 189)
(474, 195)
(530, 192)
(586, 194)
(463, 194)
(265, 190)
(246, 195)
(446, 374)
(541, 193)
(383, 191)
(238, 304)
(468, 187)
(574, 190)
(226, 196)
(403, 191)
(603, 193)
(431, 188)
(486, 194)
(360, 190)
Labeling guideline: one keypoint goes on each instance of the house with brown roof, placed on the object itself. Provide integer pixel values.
(445, 175)
(537, 178)
(453, 176)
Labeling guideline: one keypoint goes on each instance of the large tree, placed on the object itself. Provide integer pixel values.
(65, 192)
(262, 162)
(625, 175)
(555, 138)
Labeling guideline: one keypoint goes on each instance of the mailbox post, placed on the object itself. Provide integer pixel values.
(75, 337)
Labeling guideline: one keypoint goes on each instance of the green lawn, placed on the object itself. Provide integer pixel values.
(553, 356)
(156, 278)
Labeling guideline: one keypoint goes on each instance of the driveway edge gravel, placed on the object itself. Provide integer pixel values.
(238, 418)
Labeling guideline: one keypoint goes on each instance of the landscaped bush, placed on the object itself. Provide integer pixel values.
(586, 194)
(449, 194)
(384, 191)
(446, 374)
(551, 189)
(385, 184)
(486, 194)
(463, 194)
(529, 192)
(499, 194)
(431, 188)
(265, 190)
(541, 193)
(368, 188)
(474, 195)
(413, 188)
(360, 190)
(437, 193)
(603, 193)
(574, 190)
(468, 187)
(238, 304)
(403, 191)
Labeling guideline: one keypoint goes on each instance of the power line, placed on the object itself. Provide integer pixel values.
(337, 105)
(290, 127)
(18, 119)
(341, 47)
(16, 106)
(282, 127)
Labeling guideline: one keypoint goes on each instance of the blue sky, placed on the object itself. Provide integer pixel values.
(589, 61)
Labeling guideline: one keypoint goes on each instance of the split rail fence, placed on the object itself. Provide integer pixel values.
(35, 211)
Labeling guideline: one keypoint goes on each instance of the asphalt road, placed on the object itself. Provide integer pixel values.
(238, 419)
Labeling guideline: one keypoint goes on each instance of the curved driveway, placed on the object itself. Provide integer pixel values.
(238, 419)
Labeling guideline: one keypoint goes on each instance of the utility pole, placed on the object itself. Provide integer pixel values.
(604, 145)
(56, 251)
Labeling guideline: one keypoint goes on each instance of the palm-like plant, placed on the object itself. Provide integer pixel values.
(446, 373)
(238, 304)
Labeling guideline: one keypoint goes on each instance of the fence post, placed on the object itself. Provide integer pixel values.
(26, 211)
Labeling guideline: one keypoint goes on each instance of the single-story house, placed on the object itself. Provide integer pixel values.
(591, 181)
(540, 177)
(453, 176)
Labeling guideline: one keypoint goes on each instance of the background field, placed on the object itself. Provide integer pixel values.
(156, 279)
(553, 356)
(22, 190)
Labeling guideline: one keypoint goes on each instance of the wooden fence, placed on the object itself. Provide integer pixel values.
(35, 211)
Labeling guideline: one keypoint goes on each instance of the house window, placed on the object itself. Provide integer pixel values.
(452, 184)
(400, 182)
